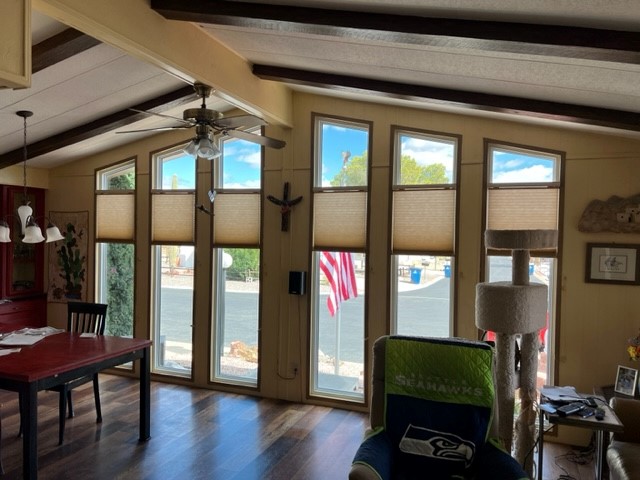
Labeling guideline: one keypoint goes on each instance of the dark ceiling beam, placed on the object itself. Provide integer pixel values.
(555, 40)
(55, 49)
(102, 125)
(471, 100)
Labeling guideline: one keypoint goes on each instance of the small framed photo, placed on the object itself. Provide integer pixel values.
(626, 380)
(612, 263)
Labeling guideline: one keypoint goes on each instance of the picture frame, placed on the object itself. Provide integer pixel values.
(613, 263)
(626, 381)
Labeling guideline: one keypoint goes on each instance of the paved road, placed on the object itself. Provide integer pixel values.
(423, 310)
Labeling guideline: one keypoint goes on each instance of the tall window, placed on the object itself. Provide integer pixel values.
(339, 235)
(424, 186)
(172, 260)
(115, 249)
(236, 263)
(524, 191)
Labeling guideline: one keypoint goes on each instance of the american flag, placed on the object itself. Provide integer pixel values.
(338, 268)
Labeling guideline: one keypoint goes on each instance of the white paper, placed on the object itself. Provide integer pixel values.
(20, 339)
(560, 394)
(44, 331)
(7, 351)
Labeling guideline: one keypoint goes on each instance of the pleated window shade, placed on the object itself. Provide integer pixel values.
(523, 209)
(339, 220)
(173, 217)
(236, 219)
(423, 220)
(115, 216)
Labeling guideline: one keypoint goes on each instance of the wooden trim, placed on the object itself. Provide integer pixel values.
(442, 96)
(101, 125)
(64, 45)
(557, 40)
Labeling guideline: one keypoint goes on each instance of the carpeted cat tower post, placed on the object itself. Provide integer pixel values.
(508, 309)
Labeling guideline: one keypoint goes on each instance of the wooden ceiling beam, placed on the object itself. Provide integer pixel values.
(471, 100)
(102, 125)
(64, 45)
(520, 38)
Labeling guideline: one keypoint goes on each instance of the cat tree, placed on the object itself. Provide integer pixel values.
(509, 309)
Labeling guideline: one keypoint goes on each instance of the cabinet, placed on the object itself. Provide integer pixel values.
(21, 264)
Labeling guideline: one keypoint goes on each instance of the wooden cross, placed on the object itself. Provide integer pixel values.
(285, 206)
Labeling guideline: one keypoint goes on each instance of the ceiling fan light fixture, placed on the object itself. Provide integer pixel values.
(192, 147)
(208, 149)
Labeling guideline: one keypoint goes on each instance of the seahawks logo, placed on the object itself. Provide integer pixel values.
(437, 445)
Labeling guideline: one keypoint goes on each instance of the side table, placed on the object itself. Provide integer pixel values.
(610, 423)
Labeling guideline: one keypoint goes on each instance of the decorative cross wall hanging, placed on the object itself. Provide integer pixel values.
(285, 206)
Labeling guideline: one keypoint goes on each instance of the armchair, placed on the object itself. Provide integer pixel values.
(432, 412)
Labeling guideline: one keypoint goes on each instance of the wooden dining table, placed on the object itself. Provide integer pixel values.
(61, 357)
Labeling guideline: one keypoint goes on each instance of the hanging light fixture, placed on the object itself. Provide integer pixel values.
(24, 210)
(203, 146)
(29, 227)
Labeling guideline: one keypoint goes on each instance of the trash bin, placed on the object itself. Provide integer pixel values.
(447, 271)
(415, 274)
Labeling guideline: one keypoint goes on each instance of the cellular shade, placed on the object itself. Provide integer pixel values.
(173, 217)
(115, 216)
(339, 220)
(423, 220)
(523, 209)
(236, 219)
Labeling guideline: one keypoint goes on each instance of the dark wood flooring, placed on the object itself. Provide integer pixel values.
(199, 434)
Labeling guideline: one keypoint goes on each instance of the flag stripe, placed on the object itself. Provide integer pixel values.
(339, 271)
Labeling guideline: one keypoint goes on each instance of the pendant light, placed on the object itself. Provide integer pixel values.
(29, 227)
(24, 211)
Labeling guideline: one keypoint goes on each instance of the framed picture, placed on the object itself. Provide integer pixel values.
(612, 263)
(626, 380)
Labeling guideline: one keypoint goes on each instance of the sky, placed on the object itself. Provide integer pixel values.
(241, 167)
(242, 159)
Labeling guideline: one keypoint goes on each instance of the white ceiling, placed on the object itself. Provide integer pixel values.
(104, 80)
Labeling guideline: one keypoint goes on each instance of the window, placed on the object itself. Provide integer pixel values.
(424, 186)
(524, 191)
(339, 234)
(236, 263)
(115, 249)
(172, 260)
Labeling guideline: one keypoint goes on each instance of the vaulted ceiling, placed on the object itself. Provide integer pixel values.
(575, 64)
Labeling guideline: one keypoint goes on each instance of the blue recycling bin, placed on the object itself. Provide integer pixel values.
(447, 271)
(416, 273)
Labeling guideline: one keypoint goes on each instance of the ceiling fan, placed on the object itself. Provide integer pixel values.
(209, 123)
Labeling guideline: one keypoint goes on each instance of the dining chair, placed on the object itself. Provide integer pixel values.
(82, 317)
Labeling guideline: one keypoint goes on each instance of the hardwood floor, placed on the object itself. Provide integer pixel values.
(199, 434)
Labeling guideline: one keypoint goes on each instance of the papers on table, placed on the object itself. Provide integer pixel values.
(7, 351)
(27, 336)
(14, 339)
(560, 394)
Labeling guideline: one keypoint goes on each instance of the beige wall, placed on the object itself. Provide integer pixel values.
(596, 319)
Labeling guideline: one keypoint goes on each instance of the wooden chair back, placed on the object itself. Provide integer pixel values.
(85, 317)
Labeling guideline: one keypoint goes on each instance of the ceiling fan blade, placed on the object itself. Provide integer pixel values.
(251, 137)
(157, 129)
(177, 119)
(247, 121)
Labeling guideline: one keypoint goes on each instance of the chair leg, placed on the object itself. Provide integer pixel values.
(96, 395)
(62, 414)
